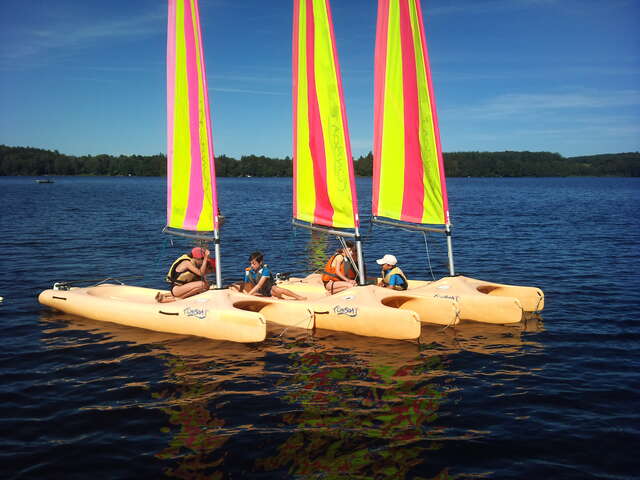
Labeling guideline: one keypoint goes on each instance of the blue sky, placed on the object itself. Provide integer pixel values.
(541, 75)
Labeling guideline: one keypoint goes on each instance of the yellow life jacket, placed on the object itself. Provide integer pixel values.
(180, 278)
(396, 271)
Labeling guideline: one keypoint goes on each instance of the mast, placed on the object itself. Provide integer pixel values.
(452, 270)
(409, 184)
(361, 274)
(192, 200)
(324, 193)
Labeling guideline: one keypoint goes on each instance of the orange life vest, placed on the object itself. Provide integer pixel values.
(344, 268)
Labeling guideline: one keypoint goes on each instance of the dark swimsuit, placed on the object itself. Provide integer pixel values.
(265, 290)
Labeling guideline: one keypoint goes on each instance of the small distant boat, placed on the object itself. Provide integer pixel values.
(45, 180)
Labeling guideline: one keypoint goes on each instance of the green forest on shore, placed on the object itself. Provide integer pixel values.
(37, 162)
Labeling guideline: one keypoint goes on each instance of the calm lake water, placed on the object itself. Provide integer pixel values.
(556, 397)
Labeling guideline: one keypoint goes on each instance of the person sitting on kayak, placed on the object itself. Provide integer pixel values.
(259, 281)
(339, 272)
(187, 275)
(392, 276)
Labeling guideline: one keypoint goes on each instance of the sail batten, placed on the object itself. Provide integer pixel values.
(324, 180)
(191, 193)
(408, 181)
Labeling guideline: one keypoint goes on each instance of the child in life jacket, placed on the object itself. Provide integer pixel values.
(259, 281)
(392, 276)
(187, 275)
(339, 273)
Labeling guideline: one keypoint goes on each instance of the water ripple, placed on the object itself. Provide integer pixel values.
(555, 396)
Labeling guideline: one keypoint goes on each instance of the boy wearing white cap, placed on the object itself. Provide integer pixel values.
(392, 276)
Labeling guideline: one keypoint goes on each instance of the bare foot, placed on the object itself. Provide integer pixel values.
(164, 297)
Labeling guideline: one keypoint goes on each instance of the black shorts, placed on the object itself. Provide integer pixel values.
(265, 290)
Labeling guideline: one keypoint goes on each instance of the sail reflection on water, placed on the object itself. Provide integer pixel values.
(362, 406)
(189, 395)
(316, 250)
(353, 406)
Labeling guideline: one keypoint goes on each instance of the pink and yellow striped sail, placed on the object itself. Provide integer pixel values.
(191, 183)
(408, 177)
(324, 183)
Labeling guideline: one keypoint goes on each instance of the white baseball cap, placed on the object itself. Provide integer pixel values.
(388, 259)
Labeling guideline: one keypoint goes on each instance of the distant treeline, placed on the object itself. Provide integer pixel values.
(35, 161)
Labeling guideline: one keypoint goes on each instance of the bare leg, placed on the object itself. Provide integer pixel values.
(184, 291)
(280, 292)
(329, 287)
(244, 287)
(337, 286)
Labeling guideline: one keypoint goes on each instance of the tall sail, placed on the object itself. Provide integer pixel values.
(192, 203)
(324, 184)
(408, 177)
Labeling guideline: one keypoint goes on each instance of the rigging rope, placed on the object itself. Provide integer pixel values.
(453, 322)
(310, 320)
(347, 252)
(64, 285)
(424, 234)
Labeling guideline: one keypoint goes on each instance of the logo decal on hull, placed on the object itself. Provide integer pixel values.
(345, 310)
(450, 297)
(200, 313)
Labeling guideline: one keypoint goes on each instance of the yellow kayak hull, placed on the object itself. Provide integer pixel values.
(210, 314)
(377, 308)
(444, 302)
(356, 311)
(481, 301)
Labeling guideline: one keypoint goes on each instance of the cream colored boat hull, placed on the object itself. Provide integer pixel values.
(481, 301)
(356, 311)
(373, 308)
(210, 314)
(288, 313)
(229, 315)
(440, 311)
(446, 301)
